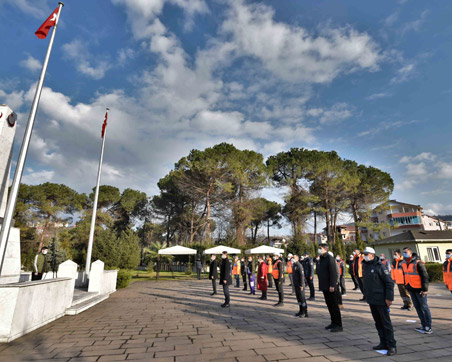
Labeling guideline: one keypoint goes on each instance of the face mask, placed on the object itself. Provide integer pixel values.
(320, 251)
(366, 257)
(44, 252)
(396, 257)
(213, 258)
(406, 255)
(338, 259)
(354, 253)
(274, 258)
(302, 258)
(223, 257)
(448, 256)
(383, 258)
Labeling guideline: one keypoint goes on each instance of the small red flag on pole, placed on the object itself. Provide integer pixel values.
(105, 124)
(43, 30)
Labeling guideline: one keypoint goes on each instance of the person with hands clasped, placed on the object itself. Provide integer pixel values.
(378, 289)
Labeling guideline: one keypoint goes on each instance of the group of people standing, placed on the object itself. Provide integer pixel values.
(373, 275)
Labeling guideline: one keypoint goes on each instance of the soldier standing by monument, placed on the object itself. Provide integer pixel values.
(40, 264)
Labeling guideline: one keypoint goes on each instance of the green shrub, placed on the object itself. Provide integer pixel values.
(188, 270)
(435, 271)
(124, 279)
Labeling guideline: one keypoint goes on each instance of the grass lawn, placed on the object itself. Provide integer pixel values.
(144, 275)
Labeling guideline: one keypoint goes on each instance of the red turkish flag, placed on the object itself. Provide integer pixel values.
(105, 124)
(43, 30)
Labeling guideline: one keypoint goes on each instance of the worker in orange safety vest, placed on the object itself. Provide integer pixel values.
(447, 270)
(236, 271)
(290, 270)
(399, 279)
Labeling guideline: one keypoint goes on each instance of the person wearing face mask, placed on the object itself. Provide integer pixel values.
(262, 277)
(299, 283)
(236, 271)
(447, 270)
(385, 262)
(290, 270)
(379, 293)
(213, 273)
(40, 264)
(350, 263)
(341, 265)
(416, 282)
(399, 279)
(328, 278)
(358, 270)
(278, 271)
(251, 275)
(269, 271)
(225, 278)
(308, 266)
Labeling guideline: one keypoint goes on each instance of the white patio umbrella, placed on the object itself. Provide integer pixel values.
(177, 250)
(265, 249)
(220, 248)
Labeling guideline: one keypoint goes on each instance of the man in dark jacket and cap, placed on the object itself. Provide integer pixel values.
(213, 273)
(328, 284)
(225, 278)
(378, 289)
(299, 284)
(308, 265)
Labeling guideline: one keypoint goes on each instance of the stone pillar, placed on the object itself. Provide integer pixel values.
(96, 277)
(7, 132)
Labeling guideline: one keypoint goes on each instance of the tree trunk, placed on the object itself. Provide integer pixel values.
(268, 231)
(315, 227)
(208, 216)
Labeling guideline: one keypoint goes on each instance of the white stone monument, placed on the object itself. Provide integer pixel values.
(10, 272)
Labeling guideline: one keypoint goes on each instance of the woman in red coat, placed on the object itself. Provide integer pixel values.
(262, 278)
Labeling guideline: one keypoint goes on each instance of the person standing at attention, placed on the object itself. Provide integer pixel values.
(40, 264)
(328, 278)
(278, 270)
(379, 293)
(213, 273)
(236, 271)
(262, 277)
(447, 271)
(399, 279)
(341, 265)
(225, 278)
(299, 283)
(243, 272)
(269, 271)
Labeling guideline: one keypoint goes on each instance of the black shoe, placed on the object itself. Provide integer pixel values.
(356, 288)
(329, 326)
(264, 298)
(392, 351)
(405, 308)
(362, 300)
(379, 347)
(213, 293)
(336, 329)
(279, 304)
(225, 305)
(305, 315)
(311, 298)
(298, 314)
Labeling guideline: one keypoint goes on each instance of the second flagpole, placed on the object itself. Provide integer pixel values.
(96, 197)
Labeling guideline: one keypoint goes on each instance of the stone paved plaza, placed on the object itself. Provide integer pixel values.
(179, 321)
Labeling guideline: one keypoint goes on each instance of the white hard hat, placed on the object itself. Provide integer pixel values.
(369, 250)
(290, 254)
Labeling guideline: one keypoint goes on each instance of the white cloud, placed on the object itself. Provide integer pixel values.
(444, 170)
(339, 112)
(34, 8)
(378, 96)
(405, 73)
(14, 99)
(416, 170)
(37, 177)
(294, 54)
(406, 185)
(32, 64)
(77, 52)
(385, 126)
(436, 208)
(415, 25)
(424, 156)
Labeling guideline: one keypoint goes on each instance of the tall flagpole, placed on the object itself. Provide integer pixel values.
(96, 196)
(7, 221)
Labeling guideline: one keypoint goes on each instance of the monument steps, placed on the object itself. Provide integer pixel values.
(85, 302)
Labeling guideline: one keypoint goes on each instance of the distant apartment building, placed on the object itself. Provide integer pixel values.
(403, 217)
(321, 238)
(347, 233)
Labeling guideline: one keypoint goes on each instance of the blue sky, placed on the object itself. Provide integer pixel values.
(371, 80)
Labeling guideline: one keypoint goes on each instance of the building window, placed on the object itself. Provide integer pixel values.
(405, 220)
(433, 254)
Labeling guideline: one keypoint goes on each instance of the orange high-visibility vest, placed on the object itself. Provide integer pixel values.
(289, 267)
(236, 268)
(275, 271)
(270, 266)
(447, 275)
(397, 272)
(339, 264)
(360, 265)
(412, 276)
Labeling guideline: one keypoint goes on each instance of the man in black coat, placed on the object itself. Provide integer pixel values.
(328, 284)
(243, 265)
(278, 277)
(350, 263)
(225, 278)
(308, 265)
(213, 273)
(299, 283)
(378, 289)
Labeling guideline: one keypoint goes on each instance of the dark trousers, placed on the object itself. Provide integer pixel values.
(214, 286)
(252, 281)
(342, 285)
(404, 295)
(36, 277)
(380, 313)
(310, 284)
(291, 283)
(361, 286)
(270, 280)
(237, 280)
(227, 296)
(279, 288)
(301, 298)
(355, 281)
(338, 295)
(333, 308)
(245, 286)
(422, 309)
(199, 273)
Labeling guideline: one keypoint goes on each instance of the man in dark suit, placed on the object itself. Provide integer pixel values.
(225, 277)
(213, 273)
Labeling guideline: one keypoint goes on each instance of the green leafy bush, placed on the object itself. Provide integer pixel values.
(435, 271)
(124, 279)
(188, 270)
